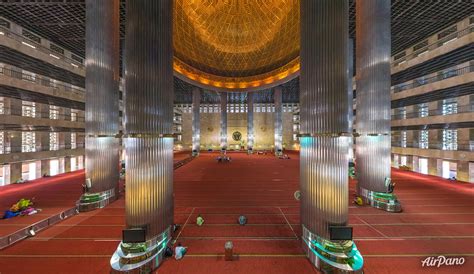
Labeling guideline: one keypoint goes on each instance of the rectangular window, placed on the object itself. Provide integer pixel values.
(2, 142)
(420, 45)
(450, 139)
(28, 141)
(28, 109)
(447, 32)
(423, 110)
(449, 107)
(403, 139)
(73, 140)
(423, 139)
(2, 106)
(55, 48)
(400, 55)
(31, 36)
(53, 112)
(53, 141)
(402, 113)
(73, 115)
(76, 58)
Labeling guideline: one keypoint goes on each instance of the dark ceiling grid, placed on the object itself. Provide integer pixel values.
(63, 22)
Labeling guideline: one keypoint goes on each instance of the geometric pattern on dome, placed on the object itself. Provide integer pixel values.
(236, 44)
(236, 38)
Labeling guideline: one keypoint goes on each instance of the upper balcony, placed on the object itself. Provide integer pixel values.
(447, 40)
(14, 77)
(458, 75)
(463, 113)
(33, 48)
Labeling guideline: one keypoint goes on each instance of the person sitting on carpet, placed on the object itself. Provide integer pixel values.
(242, 220)
(21, 181)
(199, 220)
(179, 251)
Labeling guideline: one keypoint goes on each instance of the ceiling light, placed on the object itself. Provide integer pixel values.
(74, 65)
(29, 45)
(54, 56)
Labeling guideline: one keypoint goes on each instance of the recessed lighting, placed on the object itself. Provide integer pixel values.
(54, 56)
(74, 65)
(29, 45)
(449, 41)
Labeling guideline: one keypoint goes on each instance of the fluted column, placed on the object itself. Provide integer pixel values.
(373, 99)
(324, 130)
(102, 103)
(350, 94)
(196, 121)
(223, 132)
(250, 131)
(277, 95)
(148, 132)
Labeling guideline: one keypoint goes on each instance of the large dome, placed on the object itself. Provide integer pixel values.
(236, 44)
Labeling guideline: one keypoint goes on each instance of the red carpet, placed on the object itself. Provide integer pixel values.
(437, 219)
(52, 195)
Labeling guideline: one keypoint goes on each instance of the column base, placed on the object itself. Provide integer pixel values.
(380, 200)
(140, 257)
(195, 153)
(92, 201)
(332, 256)
(249, 150)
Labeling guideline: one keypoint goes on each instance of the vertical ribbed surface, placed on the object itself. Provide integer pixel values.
(323, 101)
(350, 95)
(148, 59)
(149, 111)
(102, 163)
(102, 100)
(250, 131)
(373, 93)
(223, 119)
(149, 177)
(324, 183)
(196, 127)
(350, 89)
(278, 119)
(324, 26)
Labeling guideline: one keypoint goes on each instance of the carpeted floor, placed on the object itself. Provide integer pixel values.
(51, 194)
(437, 219)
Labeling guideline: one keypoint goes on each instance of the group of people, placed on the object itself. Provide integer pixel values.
(284, 156)
(223, 159)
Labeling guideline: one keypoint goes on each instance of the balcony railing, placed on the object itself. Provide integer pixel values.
(38, 148)
(40, 47)
(40, 80)
(433, 112)
(461, 146)
(435, 45)
(41, 115)
(442, 75)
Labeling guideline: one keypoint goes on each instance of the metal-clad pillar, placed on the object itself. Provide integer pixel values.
(196, 121)
(223, 120)
(373, 103)
(324, 130)
(250, 129)
(148, 133)
(350, 95)
(277, 94)
(102, 103)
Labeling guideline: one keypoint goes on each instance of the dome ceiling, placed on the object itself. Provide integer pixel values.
(236, 44)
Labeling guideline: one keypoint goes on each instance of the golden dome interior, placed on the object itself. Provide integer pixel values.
(236, 44)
